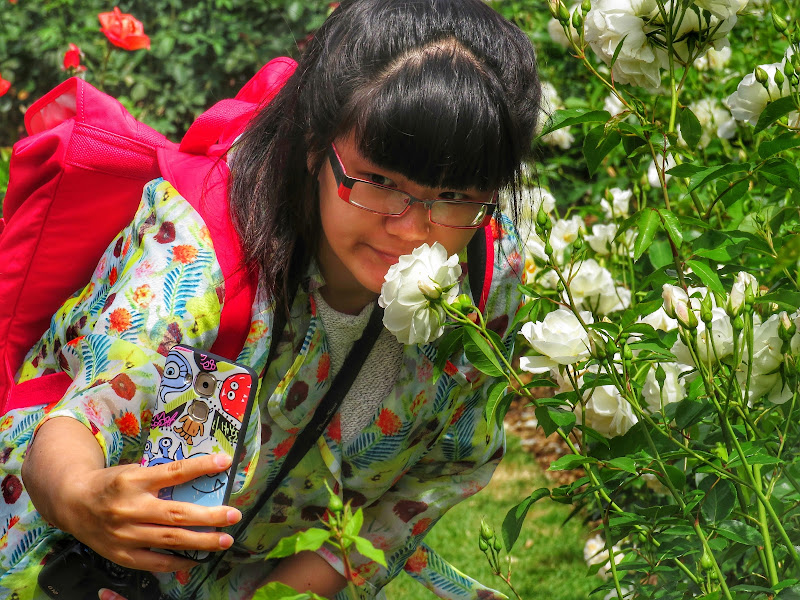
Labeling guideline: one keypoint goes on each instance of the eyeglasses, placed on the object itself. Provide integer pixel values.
(385, 200)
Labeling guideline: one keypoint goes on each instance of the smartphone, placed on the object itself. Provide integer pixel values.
(203, 405)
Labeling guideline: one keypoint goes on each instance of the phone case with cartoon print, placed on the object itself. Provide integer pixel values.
(203, 405)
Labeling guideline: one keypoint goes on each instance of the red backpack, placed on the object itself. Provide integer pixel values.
(82, 169)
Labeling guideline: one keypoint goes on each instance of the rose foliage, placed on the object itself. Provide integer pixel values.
(663, 292)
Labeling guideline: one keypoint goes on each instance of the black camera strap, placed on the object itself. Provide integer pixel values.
(329, 404)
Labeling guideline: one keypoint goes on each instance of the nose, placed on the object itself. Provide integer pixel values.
(413, 225)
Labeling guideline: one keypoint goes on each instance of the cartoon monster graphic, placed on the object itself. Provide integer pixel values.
(191, 424)
(177, 377)
(234, 394)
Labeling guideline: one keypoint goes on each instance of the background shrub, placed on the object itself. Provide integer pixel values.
(200, 52)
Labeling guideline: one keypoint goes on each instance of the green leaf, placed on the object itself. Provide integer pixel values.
(786, 299)
(649, 220)
(672, 226)
(551, 418)
(774, 111)
(365, 547)
(779, 144)
(709, 278)
(597, 144)
(515, 517)
(741, 533)
(496, 393)
(676, 476)
(685, 170)
(311, 539)
(781, 172)
(448, 343)
(617, 50)
(623, 463)
(571, 461)
(720, 499)
(480, 353)
(712, 173)
(354, 523)
(721, 246)
(691, 130)
(660, 254)
(574, 116)
(276, 590)
(688, 411)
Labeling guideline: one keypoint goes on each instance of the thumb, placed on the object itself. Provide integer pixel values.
(106, 594)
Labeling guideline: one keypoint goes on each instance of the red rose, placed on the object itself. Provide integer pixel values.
(123, 30)
(72, 59)
(5, 85)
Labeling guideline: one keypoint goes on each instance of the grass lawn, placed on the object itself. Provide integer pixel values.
(548, 556)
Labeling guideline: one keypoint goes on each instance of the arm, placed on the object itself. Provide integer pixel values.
(155, 285)
(307, 571)
(116, 510)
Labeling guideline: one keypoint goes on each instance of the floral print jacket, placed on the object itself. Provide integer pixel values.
(427, 448)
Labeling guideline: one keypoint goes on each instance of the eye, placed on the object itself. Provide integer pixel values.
(381, 180)
(231, 395)
(234, 385)
(171, 370)
(452, 196)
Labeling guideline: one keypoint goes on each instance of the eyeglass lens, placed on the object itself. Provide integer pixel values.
(457, 213)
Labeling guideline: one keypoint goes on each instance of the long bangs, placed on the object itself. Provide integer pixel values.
(438, 118)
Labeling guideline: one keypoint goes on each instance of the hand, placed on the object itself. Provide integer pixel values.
(116, 511)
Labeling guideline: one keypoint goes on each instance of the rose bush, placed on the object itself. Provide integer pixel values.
(664, 288)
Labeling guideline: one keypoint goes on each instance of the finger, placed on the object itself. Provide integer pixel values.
(156, 562)
(177, 538)
(106, 594)
(186, 514)
(181, 471)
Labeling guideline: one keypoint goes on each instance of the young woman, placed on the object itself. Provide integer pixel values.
(393, 102)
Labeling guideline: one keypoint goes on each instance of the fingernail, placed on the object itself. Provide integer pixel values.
(225, 541)
(222, 460)
(106, 594)
(233, 516)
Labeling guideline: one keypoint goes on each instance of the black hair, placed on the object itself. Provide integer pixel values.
(444, 92)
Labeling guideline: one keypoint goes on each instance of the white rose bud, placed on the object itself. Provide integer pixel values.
(673, 295)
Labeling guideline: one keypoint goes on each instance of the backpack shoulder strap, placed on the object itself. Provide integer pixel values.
(480, 265)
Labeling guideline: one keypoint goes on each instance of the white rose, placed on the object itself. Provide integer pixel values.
(595, 553)
(719, 347)
(652, 171)
(659, 320)
(409, 315)
(620, 205)
(602, 240)
(561, 138)
(673, 297)
(613, 105)
(716, 60)
(607, 412)
(714, 121)
(673, 390)
(611, 21)
(722, 9)
(560, 339)
(593, 288)
(750, 98)
(741, 284)
(765, 377)
(557, 34)
(565, 232)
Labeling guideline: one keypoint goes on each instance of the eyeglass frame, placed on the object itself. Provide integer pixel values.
(345, 184)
